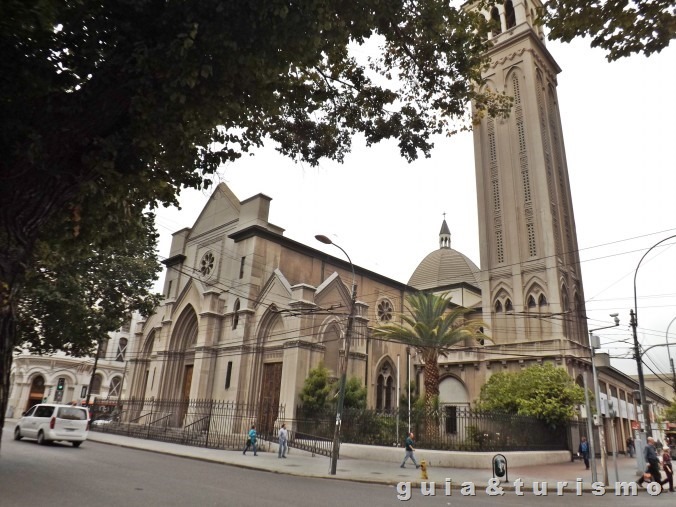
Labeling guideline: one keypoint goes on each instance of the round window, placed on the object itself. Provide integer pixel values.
(207, 264)
(385, 310)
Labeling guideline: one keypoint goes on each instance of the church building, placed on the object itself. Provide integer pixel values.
(248, 312)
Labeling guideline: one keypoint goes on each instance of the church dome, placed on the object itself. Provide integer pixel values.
(444, 266)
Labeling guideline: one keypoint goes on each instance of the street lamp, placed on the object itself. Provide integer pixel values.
(639, 363)
(595, 343)
(343, 369)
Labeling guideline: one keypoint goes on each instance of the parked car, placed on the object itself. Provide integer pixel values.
(50, 423)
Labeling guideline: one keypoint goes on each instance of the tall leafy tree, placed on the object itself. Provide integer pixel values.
(82, 286)
(622, 28)
(135, 99)
(433, 328)
(542, 391)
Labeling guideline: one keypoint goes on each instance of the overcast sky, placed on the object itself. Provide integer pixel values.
(618, 124)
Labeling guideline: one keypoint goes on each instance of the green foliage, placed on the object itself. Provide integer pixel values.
(433, 329)
(355, 394)
(316, 390)
(545, 392)
(81, 288)
(670, 412)
(621, 28)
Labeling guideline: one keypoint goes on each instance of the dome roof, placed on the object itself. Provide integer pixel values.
(444, 266)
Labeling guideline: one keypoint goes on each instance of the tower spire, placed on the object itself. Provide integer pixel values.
(444, 235)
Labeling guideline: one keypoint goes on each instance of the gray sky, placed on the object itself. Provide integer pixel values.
(618, 124)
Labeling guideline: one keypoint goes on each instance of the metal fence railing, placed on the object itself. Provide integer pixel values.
(202, 423)
(224, 425)
(448, 428)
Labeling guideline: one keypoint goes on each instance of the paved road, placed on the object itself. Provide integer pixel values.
(106, 475)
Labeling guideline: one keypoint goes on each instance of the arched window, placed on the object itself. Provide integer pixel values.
(495, 18)
(385, 388)
(508, 306)
(115, 385)
(235, 316)
(96, 384)
(531, 302)
(121, 349)
(542, 300)
(510, 15)
(498, 307)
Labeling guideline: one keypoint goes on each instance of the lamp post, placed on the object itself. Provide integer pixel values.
(594, 343)
(343, 369)
(639, 363)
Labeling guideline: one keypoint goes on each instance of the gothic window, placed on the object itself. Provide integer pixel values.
(207, 264)
(385, 310)
(500, 247)
(508, 306)
(385, 390)
(121, 349)
(115, 385)
(532, 247)
(495, 18)
(235, 314)
(531, 302)
(510, 15)
(498, 307)
(542, 300)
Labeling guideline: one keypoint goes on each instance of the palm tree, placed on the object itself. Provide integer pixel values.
(432, 329)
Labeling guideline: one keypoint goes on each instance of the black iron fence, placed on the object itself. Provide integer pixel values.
(202, 423)
(224, 425)
(448, 428)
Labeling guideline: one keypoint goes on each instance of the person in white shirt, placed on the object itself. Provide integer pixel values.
(283, 439)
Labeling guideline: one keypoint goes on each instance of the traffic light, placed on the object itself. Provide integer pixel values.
(61, 384)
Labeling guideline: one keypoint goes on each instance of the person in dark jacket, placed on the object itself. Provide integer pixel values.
(409, 450)
(653, 468)
(583, 451)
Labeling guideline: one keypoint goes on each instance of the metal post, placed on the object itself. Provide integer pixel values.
(408, 382)
(641, 380)
(602, 438)
(639, 362)
(398, 392)
(590, 427)
(343, 379)
(671, 361)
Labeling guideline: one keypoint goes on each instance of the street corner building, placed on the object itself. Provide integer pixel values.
(248, 312)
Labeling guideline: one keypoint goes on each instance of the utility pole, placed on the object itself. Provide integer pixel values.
(641, 380)
(91, 379)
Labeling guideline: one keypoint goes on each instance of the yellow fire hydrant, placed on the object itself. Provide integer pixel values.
(423, 470)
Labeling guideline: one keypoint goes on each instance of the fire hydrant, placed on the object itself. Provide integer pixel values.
(423, 470)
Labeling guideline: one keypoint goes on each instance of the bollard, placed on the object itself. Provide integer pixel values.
(423, 470)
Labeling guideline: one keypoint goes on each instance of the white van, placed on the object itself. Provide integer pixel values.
(50, 423)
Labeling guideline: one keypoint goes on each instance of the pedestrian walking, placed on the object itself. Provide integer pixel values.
(650, 455)
(408, 444)
(283, 438)
(583, 451)
(251, 441)
(668, 468)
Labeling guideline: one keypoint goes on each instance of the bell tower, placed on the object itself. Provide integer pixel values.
(530, 274)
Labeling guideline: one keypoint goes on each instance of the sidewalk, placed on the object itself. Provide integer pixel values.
(300, 463)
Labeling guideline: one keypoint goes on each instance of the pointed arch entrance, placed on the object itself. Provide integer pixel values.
(178, 374)
(269, 368)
